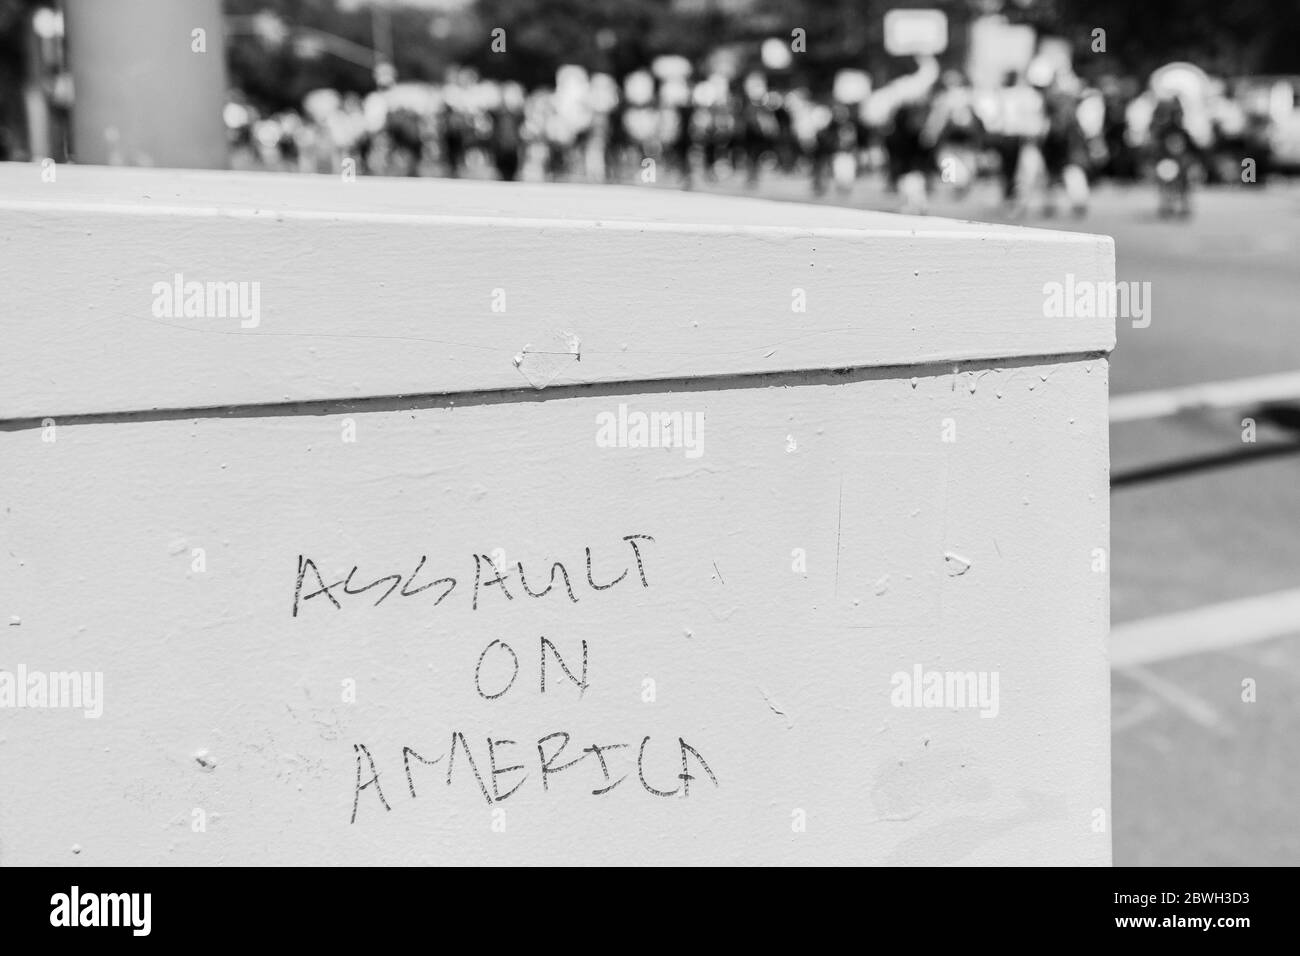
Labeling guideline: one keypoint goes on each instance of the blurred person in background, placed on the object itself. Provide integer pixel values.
(568, 123)
(617, 144)
(911, 155)
(641, 120)
(602, 138)
(454, 126)
(850, 137)
(758, 125)
(1120, 161)
(1174, 152)
(507, 136)
(1016, 123)
(902, 108)
(238, 117)
(1240, 132)
(1091, 116)
(712, 123)
(784, 142)
(955, 132)
(1180, 133)
(395, 117)
(1257, 141)
(825, 138)
(847, 140)
(1063, 144)
(676, 126)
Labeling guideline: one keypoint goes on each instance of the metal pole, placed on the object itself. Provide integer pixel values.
(150, 82)
(381, 25)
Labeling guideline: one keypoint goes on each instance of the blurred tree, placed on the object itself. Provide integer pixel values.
(616, 36)
(1224, 38)
(851, 34)
(273, 74)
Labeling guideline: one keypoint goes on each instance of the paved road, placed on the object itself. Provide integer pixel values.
(1200, 775)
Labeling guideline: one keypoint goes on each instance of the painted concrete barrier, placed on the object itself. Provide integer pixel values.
(431, 522)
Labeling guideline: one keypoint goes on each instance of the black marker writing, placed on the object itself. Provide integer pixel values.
(549, 761)
(478, 684)
(445, 585)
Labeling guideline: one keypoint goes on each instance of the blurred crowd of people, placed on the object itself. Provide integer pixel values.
(1044, 134)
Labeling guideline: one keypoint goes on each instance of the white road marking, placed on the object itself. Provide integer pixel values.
(1162, 403)
(1208, 628)
(1138, 714)
(1180, 699)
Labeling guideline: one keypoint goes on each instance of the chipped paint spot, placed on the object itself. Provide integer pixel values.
(957, 565)
(775, 709)
(541, 365)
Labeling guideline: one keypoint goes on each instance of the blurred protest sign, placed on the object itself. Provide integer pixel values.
(916, 32)
(997, 48)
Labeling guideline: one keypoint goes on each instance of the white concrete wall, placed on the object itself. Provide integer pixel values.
(940, 505)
